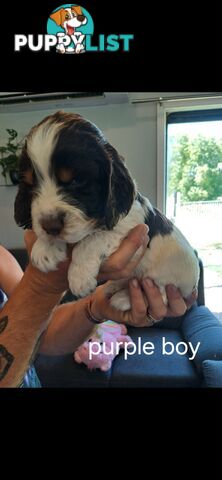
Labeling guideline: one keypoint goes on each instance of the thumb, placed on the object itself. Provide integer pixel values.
(29, 238)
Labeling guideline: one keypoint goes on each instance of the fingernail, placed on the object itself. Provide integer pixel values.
(139, 250)
(172, 288)
(148, 282)
(194, 291)
(135, 283)
(146, 240)
(143, 231)
(144, 235)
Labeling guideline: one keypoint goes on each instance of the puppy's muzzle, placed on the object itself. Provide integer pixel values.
(53, 225)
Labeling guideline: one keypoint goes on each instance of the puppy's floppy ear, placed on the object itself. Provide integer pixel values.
(77, 10)
(57, 16)
(22, 206)
(121, 189)
(23, 200)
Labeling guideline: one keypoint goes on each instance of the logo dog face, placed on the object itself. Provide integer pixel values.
(69, 18)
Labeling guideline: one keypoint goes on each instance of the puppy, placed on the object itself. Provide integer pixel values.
(75, 188)
(69, 19)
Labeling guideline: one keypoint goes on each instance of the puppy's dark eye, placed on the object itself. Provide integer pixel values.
(27, 177)
(65, 175)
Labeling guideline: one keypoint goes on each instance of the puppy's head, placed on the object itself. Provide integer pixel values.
(69, 18)
(72, 180)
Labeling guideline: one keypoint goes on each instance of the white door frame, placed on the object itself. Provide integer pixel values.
(163, 108)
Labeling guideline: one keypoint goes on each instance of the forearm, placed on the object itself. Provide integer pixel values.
(22, 321)
(68, 329)
(10, 272)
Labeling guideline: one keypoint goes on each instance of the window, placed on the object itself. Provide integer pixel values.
(193, 188)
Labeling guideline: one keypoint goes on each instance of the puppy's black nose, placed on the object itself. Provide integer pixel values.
(53, 225)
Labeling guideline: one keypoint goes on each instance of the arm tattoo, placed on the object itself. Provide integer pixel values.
(3, 323)
(6, 360)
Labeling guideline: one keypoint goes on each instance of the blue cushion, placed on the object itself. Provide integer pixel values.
(200, 325)
(61, 371)
(157, 370)
(212, 370)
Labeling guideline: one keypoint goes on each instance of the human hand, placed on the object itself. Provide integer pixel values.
(119, 265)
(51, 282)
(156, 309)
(146, 300)
(122, 262)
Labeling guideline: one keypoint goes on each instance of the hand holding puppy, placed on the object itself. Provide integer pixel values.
(118, 266)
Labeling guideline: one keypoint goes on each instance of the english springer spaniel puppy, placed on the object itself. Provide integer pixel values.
(76, 189)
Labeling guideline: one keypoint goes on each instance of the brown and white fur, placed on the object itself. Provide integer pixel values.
(76, 188)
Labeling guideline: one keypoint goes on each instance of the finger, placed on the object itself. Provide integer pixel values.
(29, 238)
(127, 249)
(176, 303)
(157, 308)
(191, 299)
(138, 304)
(126, 272)
(101, 308)
(113, 268)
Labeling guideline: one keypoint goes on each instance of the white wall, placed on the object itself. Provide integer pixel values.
(130, 128)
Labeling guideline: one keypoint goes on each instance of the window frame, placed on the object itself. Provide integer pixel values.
(163, 109)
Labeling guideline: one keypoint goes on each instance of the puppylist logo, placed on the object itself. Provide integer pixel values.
(70, 29)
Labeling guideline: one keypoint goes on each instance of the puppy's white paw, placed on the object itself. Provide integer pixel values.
(79, 48)
(80, 283)
(115, 286)
(121, 300)
(46, 257)
(60, 48)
